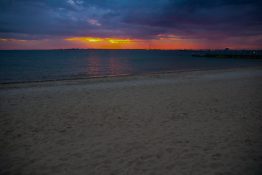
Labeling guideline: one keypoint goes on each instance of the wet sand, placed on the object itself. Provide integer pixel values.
(202, 122)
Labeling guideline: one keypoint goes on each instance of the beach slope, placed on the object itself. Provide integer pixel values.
(202, 122)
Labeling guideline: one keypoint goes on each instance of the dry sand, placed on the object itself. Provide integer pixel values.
(206, 122)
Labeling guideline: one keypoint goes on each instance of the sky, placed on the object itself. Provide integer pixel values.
(131, 24)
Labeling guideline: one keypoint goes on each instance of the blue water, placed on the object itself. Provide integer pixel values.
(20, 66)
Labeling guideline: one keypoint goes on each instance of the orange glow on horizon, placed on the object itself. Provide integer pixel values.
(84, 39)
(163, 42)
(103, 43)
(90, 39)
(115, 41)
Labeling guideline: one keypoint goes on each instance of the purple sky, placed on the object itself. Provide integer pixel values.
(207, 23)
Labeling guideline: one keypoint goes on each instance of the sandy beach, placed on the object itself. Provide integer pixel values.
(200, 122)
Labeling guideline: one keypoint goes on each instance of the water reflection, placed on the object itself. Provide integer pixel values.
(118, 66)
(94, 66)
(107, 65)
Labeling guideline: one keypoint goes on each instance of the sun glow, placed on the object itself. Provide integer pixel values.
(115, 41)
(93, 39)
(84, 39)
(90, 39)
(105, 43)
(162, 42)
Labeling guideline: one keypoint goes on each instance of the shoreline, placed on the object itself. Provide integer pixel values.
(124, 76)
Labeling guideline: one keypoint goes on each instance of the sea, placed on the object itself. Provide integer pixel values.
(46, 65)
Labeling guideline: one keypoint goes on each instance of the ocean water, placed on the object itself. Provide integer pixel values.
(23, 66)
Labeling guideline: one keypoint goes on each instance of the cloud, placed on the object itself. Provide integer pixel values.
(93, 22)
(198, 18)
(188, 19)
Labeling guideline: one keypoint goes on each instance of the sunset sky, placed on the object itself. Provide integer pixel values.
(131, 24)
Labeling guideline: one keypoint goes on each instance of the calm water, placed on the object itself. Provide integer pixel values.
(19, 66)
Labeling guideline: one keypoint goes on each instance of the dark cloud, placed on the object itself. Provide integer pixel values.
(206, 19)
(198, 18)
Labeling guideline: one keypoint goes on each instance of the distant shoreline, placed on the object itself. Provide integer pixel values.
(238, 56)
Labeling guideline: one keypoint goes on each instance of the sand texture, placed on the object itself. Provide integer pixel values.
(206, 122)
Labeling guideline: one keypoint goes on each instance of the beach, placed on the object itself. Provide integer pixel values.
(199, 122)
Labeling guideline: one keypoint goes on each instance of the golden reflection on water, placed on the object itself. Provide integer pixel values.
(98, 66)
(94, 66)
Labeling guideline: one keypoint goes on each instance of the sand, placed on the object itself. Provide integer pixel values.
(201, 122)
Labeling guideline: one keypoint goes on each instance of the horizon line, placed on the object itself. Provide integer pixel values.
(225, 49)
